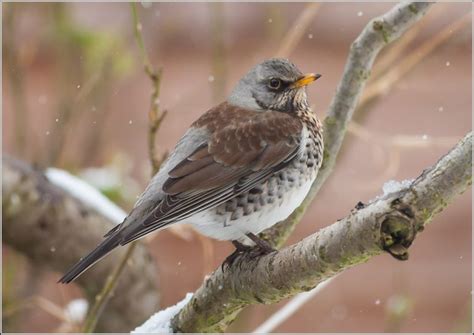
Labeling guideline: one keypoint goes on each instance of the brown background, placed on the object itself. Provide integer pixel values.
(432, 99)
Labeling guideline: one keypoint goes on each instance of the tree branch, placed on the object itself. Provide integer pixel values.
(378, 33)
(54, 230)
(389, 223)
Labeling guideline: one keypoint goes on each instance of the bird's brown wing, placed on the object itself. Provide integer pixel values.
(245, 148)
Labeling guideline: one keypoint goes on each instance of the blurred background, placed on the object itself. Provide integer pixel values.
(75, 96)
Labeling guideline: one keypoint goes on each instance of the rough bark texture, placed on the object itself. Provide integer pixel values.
(54, 230)
(378, 33)
(389, 223)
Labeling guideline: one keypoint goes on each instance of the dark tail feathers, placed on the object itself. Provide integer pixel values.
(100, 251)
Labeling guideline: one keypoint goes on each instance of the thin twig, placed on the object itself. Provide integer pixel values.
(295, 34)
(393, 53)
(383, 84)
(101, 299)
(155, 120)
(46, 305)
(155, 116)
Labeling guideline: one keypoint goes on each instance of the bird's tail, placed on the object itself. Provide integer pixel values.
(98, 253)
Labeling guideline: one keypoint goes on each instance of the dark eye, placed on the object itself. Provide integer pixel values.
(274, 83)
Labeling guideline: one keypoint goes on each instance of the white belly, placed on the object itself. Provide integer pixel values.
(220, 226)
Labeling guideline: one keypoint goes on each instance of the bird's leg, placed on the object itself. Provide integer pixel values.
(239, 250)
(240, 246)
(262, 248)
(263, 245)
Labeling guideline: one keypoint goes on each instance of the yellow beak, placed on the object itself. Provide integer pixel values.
(305, 80)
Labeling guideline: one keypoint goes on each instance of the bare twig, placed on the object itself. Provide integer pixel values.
(383, 84)
(295, 34)
(390, 55)
(155, 119)
(36, 301)
(155, 115)
(102, 298)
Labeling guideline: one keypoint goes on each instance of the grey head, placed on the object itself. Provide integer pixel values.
(275, 84)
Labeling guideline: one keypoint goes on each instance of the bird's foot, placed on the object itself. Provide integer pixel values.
(261, 248)
(264, 246)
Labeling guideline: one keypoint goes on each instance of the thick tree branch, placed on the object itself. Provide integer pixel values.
(376, 35)
(389, 223)
(54, 230)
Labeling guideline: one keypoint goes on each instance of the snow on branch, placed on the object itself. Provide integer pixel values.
(161, 322)
(86, 193)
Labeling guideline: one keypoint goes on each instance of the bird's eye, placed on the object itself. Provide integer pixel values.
(274, 83)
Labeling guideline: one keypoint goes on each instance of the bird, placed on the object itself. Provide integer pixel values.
(243, 166)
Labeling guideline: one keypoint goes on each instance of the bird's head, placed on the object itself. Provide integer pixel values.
(275, 84)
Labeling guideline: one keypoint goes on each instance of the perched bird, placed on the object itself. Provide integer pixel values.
(243, 166)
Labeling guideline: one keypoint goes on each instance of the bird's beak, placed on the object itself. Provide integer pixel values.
(305, 80)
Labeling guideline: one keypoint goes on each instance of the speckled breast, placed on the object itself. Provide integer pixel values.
(295, 176)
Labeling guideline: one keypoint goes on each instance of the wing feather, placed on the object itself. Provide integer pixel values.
(245, 148)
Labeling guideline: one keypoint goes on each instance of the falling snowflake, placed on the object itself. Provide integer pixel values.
(47, 133)
(310, 36)
(78, 86)
(424, 137)
(377, 302)
(76, 310)
(440, 109)
(130, 122)
(448, 63)
(210, 78)
(139, 26)
(360, 13)
(270, 20)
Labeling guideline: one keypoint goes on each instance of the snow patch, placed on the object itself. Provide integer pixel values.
(161, 321)
(76, 310)
(86, 193)
(393, 186)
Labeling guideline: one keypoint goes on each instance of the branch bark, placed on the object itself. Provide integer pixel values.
(54, 230)
(390, 223)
